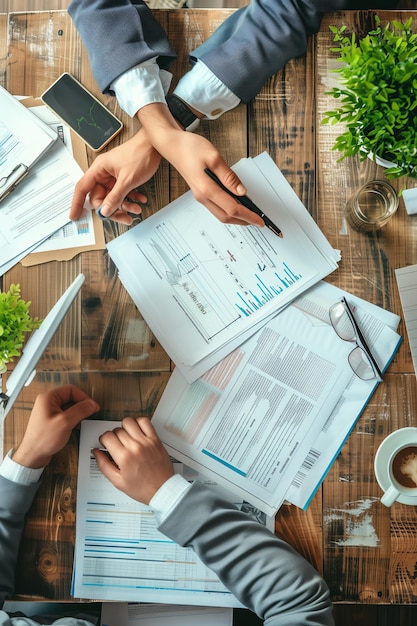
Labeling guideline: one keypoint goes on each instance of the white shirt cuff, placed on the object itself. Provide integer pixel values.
(141, 85)
(202, 90)
(19, 473)
(168, 496)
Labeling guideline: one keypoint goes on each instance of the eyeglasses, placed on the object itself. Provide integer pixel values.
(360, 359)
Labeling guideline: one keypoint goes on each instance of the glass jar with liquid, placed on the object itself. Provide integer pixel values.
(371, 206)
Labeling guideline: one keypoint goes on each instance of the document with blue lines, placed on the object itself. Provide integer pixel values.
(120, 554)
(203, 286)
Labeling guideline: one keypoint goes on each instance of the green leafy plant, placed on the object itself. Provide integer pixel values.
(378, 95)
(15, 321)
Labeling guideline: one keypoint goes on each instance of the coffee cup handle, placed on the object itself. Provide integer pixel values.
(390, 496)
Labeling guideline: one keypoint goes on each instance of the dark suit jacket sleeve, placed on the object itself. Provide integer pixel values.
(246, 49)
(258, 40)
(15, 501)
(265, 573)
(119, 35)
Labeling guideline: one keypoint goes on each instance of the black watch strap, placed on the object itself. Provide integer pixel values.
(182, 113)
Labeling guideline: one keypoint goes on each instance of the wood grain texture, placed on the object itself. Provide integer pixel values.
(364, 560)
(366, 552)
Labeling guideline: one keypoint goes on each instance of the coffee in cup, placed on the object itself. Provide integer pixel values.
(404, 467)
(396, 467)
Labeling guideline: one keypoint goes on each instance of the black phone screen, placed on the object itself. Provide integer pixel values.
(81, 111)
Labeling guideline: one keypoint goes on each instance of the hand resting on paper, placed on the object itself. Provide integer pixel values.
(114, 176)
(191, 154)
(141, 463)
(262, 571)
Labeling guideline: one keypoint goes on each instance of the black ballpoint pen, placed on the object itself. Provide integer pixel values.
(246, 202)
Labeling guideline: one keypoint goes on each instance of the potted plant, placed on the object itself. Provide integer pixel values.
(15, 321)
(378, 96)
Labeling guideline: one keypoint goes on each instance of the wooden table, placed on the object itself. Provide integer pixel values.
(366, 552)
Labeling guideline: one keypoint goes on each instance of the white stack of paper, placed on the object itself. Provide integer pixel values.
(36, 206)
(268, 421)
(407, 288)
(204, 287)
(24, 139)
(120, 554)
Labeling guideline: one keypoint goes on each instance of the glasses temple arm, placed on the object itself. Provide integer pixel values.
(361, 338)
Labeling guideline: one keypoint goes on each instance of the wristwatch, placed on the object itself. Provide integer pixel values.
(182, 113)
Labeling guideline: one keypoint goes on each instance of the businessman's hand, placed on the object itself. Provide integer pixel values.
(54, 415)
(115, 175)
(141, 463)
(190, 154)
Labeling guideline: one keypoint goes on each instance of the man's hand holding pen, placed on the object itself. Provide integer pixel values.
(113, 179)
(246, 202)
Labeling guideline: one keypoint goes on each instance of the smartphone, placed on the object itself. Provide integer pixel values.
(78, 108)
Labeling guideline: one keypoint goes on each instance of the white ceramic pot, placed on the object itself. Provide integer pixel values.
(379, 161)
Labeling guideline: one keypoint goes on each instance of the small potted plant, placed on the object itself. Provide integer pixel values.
(378, 96)
(15, 321)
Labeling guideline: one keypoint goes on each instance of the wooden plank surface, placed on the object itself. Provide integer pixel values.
(368, 556)
(365, 551)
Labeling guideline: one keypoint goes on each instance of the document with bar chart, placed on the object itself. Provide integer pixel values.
(203, 286)
(120, 554)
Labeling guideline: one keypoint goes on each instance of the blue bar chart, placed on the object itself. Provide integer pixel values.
(250, 302)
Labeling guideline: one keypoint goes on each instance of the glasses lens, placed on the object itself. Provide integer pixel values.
(361, 365)
(341, 322)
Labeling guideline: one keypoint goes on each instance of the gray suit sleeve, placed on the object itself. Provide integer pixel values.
(258, 40)
(251, 45)
(15, 501)
(118, 35)
(262, 571)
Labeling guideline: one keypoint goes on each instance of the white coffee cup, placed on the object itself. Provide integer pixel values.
(396, 467)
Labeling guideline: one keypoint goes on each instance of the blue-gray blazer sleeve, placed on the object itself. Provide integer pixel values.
(118, 35)
(15, 501)
(251, 45)
(259, 39)
(262, 571)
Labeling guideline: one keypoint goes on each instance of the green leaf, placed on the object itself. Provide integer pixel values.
(15, 321)
(378, 99)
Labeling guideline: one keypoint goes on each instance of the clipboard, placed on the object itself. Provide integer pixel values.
(25, 368)
(24, 139)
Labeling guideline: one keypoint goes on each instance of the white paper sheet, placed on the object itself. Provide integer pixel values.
(23, 137)
(40, 204)
(120, 555)
(407, 287)
(379, 328)
(75, 234)
(201, 285)
(250, 421)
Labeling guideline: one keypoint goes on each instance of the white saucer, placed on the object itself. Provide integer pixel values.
(387, 447)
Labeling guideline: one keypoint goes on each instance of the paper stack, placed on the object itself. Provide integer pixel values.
(262, 396)
(204, 287)
(35, 204)
(268, 421)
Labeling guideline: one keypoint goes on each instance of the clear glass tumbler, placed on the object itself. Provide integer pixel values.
(371, 206)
